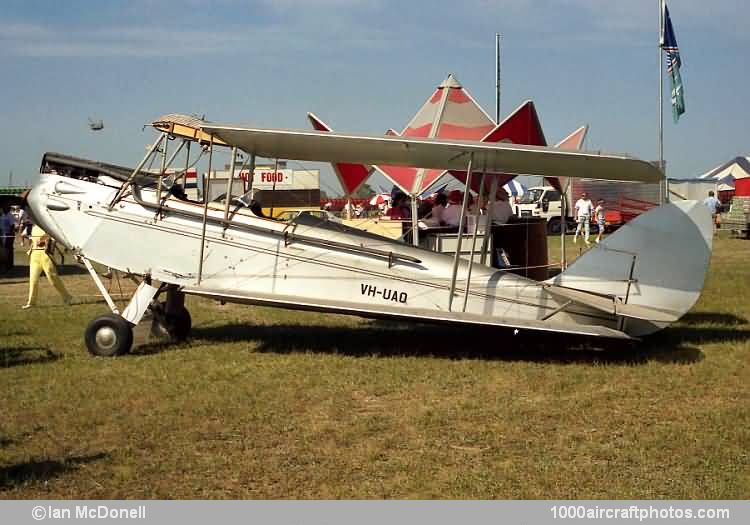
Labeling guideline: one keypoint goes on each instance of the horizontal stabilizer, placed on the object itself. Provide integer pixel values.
(613, 305)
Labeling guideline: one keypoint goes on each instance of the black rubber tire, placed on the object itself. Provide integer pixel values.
(109, 335)
(553, 226)
(176, 326)
(179, 325)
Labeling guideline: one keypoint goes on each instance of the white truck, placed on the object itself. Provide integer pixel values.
(623, 202)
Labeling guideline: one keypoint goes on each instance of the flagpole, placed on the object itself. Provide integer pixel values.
(497, 78)
(661, 101)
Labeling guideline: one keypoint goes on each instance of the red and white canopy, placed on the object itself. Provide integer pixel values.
(449, 113)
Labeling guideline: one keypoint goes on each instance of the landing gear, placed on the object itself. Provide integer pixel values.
(112, 334)
(175, 324)
(553, 226)
(109, 335)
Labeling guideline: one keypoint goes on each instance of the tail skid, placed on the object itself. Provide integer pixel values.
(654, 266)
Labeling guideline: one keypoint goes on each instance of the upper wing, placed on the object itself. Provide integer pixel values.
(434, 153)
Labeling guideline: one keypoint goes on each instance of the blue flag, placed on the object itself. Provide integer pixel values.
(669, 45)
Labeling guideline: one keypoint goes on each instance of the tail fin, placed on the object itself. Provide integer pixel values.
(658, 260)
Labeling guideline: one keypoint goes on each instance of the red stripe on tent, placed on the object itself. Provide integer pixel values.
(401, 176)
(450, 131)
(351, 176)
(436, 96)
(520, 127)
(421, 131)
(458, 96)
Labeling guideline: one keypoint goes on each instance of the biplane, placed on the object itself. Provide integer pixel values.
(636, 282)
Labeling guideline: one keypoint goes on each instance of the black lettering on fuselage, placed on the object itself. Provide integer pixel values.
(388, 294)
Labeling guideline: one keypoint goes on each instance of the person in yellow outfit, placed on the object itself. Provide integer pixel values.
(40, 261)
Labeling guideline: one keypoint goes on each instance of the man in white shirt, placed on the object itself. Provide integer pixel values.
(501, 210)
(714, 205)
(583, 208)
(452, 212)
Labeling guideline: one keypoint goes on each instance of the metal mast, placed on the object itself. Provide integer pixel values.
(497, 77)
(662, 197)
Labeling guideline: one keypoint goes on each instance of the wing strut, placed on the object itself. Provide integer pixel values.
(457, 255)
(206, 198)
(474, 236)
(128, 182)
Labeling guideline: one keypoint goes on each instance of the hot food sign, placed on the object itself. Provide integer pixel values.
(268, 178)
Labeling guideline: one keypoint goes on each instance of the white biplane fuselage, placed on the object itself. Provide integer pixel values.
(625, 287)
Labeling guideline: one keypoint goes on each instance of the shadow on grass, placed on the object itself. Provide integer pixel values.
(394, 340)
(42, 470)
(26, 355)
(20, 272)
(712, 317)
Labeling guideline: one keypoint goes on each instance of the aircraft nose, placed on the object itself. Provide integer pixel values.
(41, 208)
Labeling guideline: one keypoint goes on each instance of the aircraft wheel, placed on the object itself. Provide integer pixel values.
(179, 325)
(108, 336)
(553, 226)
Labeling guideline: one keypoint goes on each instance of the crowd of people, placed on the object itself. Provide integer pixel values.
(444, 209)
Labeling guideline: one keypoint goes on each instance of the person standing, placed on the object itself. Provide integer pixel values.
(601, 222)
(452, 212)
(8, 234)
(714, 205)
(583, 209)
(26, 224)
(501, 210)
(40, 261)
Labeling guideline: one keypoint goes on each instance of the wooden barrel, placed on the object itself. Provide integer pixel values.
(524, 243)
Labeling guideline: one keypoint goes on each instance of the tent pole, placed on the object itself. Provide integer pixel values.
(457, 255)
(497, 78)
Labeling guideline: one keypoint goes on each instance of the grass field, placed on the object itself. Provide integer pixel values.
(264, 403)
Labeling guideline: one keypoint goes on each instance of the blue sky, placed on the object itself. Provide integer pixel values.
(365, 66)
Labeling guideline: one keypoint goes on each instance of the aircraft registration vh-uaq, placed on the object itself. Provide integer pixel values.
(638, 280)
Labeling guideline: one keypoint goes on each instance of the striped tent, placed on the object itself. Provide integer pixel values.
(449, 113)
(737, 168)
